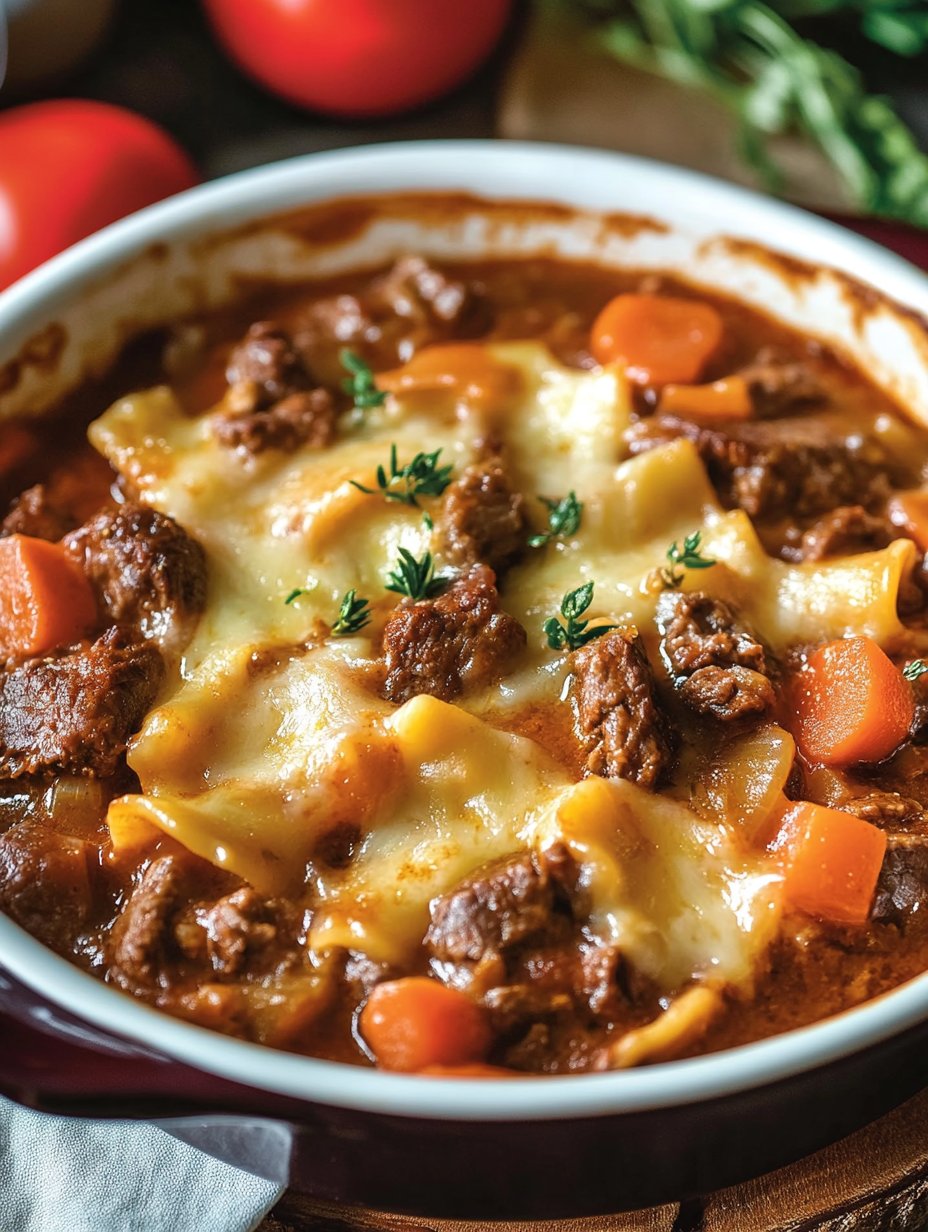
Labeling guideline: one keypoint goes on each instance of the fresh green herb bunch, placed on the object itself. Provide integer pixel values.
(563, 519)
(754, 58)
(415, 578)
(574, 633)
(689, 557)
(913, 670)
(360, 382)
(353, 615)
(420, 477)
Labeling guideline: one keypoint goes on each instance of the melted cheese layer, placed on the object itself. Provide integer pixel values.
(268, 739)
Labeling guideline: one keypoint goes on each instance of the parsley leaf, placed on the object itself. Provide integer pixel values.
(563, 519)
(574, 632)
(916, 668)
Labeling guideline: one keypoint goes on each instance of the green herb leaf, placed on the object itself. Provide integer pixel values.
(574, 632)
(294, 594)
(913, 670)
(353, 615)
(420, 477)
(563, 519)
(689, 557)
(360, 382)
(415, 578)
(751, 57)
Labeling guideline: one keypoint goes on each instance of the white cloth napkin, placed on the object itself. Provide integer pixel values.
(58, 1174)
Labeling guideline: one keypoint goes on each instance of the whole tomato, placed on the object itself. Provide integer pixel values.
(69, 167)
(359, 57)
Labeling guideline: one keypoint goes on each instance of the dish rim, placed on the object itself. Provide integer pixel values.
(502, 171)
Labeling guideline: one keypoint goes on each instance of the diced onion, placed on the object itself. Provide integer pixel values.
(744, 782)
(76, 805)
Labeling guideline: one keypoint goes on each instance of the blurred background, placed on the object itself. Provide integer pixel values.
(822, 101)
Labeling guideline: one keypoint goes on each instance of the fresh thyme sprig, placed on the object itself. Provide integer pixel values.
(563, 519)
(689, 557)
(353, 615)
(420, 477)
(574, 633)
(759, 58)
(913, 670)
(360, 382)
(415, 578)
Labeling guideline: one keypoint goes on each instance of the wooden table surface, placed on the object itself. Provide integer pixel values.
(160, 60)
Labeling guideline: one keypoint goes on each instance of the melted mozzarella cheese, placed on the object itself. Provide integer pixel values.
(268, 737)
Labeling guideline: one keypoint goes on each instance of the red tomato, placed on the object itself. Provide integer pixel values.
(69, 167)
(359, 57)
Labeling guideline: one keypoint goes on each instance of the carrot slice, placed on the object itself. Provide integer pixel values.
(832, 861)
(727, 399)
(909, 511)
(414, 1023)
(45, 600)
(661, 340)
(852, 704)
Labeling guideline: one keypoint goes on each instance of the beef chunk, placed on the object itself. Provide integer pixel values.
(727, 693)
(619, 721)
(163, 927)
(306, 418)
(845, 531)
(141, 935)
(719, 667)
(786, 467)
(444, 646)
(45, 880)
(272, 403)
(145, 568)
(902, 888)
(780, 383)
(482, 520)
(33, 513)
(76, 712)
(240, 922)
(266, 367)
(419, 292)
(512, 1007)
(520, 899)
(410, 306)
(887, 809)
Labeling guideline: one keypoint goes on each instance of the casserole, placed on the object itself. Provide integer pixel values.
(194, 253)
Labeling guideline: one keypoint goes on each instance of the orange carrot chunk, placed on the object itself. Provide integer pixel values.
(831, 862)
(45, 600)
(909, 511)
(727, 399)
(852, 704)
(416, 1023)
(661, 340)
